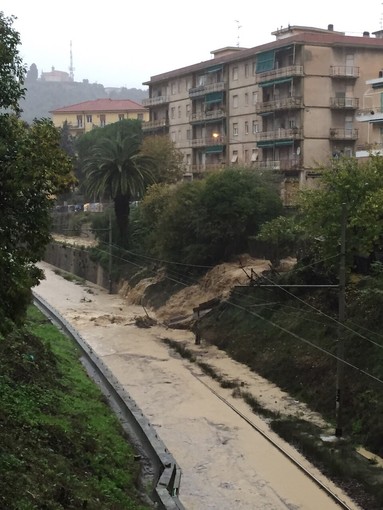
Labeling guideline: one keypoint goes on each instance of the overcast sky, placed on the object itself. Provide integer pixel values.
(125, 42)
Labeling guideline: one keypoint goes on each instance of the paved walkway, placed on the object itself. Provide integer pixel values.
(225, 464)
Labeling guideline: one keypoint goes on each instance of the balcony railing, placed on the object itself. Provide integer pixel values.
(208, 141)
(343, 134)
(155, 124)
(370, 114)
(284, 165)
(280, 134)
(351, 103)
(344, 71)
(282, 72)
(201, 90)
(287, 103)
(155, 101)
(206, 116)
(369, 147)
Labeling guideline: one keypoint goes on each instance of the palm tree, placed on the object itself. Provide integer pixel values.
(115, 168)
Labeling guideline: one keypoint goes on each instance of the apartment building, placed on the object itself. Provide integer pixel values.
(83, 117)
(288, 106)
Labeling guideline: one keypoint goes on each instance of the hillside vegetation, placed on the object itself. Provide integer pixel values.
(41, 97)
(62, 446)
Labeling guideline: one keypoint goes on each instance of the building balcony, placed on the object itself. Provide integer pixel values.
(155, 101)
(279, 74)
(287, 103)
(76, 128)
(374, 115)
(343, 134)
(283, 165)
(369, 149)
(347, 103)
(201, 90)
(294, 133)
(344, 72)
(209, 142)
(153, 125)
(208, 116)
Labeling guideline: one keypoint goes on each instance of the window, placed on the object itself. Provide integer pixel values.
(235, 101)
(173, 88)
(246, 70)
(89, 119)
(254, 68)
(246, 99)
(140, 116)
(246, 128)
(179, 112)
(121, 116)
(102, 120)
(235, 129)
(254, 155)
(255, 98)
(172, 112)
(234, 73)
(188, 134)
(246, 156)
(79, 120)
(187, 108)
(291, 123)
(179, 135)
(255, 127)
(173, 136)
(234, 157)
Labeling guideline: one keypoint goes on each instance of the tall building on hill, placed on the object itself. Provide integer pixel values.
(288, 106)
(82, 117)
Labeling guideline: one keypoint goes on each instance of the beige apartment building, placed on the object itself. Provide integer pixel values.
(288, 106)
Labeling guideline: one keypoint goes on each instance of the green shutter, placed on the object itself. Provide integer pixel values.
(265, 61)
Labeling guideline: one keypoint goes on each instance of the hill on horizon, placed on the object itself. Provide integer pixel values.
(41, 97)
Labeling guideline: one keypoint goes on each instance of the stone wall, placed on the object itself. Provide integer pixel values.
(76, 260)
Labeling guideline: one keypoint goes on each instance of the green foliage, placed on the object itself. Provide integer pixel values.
(167, 159)
(360, 187)
(203, 222)
(316, 225)
(114, 168)
(32, 169)
(12, 71)
(62, 447)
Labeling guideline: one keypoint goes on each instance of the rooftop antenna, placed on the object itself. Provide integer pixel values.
(381, 19)
(71, 68)
(238, 27)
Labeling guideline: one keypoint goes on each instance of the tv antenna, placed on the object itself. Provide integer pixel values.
(238, 28)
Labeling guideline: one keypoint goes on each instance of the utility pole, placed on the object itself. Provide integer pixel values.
(341, 318)
(110, 249)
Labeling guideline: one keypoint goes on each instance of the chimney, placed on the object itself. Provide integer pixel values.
(366, 34)
(330, 28)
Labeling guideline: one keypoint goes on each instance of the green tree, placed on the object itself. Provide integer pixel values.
(316, 226)
(168, 159)
(32, 73)
(205, 222)
(115, 169)
(12, 71)
(360, 187)
(33, 169)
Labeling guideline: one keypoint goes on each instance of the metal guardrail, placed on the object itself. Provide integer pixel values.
(166, 471)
